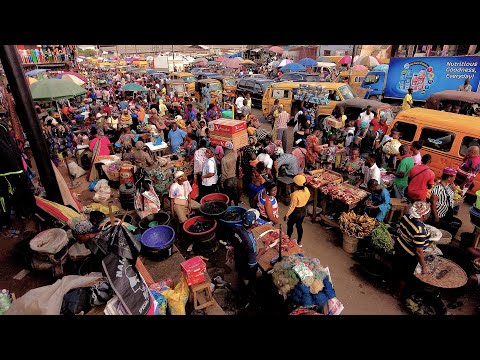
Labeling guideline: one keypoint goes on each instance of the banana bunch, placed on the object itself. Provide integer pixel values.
(355, 225)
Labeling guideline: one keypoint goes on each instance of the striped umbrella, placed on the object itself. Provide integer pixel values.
(60, 212)
(71, 77)
(80, 76)
(31, 80)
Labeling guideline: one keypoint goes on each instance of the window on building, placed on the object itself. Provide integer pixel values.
(327, 52)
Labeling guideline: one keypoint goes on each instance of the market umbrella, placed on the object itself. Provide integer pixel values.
(31, 80)
(35, 72)
(307, 62)
(276, 49)
(231, 63)
(220, 58)
(347, 59)
(63, 213)
(55, 89)
(368, 61)
(246, 62)
(381, 67)
(80, 76)
(359, 68)
(132, 87)
(293, 67)
(284, 62)
(323, 59)
(70, 77)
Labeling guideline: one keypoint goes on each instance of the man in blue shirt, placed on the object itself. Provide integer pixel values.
(245, 251)
(206, 95)
(123, 105)
(378, 202)
(175, 137)
(190, 113)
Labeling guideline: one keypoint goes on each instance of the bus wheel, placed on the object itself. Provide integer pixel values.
(373, 97)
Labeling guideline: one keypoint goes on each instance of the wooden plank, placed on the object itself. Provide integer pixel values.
(330, 222)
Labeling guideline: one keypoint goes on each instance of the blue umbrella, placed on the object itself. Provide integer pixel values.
(293, 67)
(381, 67)
(308, 62)
(35, 72)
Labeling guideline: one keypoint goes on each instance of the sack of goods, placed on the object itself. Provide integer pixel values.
(50, 250)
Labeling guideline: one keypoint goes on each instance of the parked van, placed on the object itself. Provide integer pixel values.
(462, 102)
(446, 136)
(215, 90)
(354, 79)
(284, 91)
(187, 77)
(177, 85)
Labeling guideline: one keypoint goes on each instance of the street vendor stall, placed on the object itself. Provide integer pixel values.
(340, 195)
(316, 180)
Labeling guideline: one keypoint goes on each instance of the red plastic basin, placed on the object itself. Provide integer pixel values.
(215, 197)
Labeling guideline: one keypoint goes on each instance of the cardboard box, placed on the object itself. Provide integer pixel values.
(229, 136)
(194, 270)
(227, 126)
(228, 143)
(334, 123)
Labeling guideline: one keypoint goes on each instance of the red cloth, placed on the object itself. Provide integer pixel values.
(104, 149)
(377, 126)
(417, 186)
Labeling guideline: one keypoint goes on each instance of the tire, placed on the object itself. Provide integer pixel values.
(373, 97)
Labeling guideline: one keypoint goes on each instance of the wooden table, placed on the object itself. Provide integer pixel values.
(314, 188)
(264, 260)
(325, 201)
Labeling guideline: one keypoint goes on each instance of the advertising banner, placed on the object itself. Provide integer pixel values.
(428, 75)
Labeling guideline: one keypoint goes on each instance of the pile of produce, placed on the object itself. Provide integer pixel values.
(345, 193)
(200, 227)
(381, 238)
(273, 238)
(233, 215)
(298, 269)
(357, 226)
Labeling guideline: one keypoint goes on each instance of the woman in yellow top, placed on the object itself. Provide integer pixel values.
(298, 207)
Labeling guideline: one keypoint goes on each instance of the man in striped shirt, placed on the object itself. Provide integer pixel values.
(412, 239)
(282, 120)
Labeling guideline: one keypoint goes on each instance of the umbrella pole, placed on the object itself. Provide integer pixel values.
(351, 65)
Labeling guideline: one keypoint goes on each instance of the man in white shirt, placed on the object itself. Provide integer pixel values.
(209, 174)
(366, 116)
(370, 171)
(267, 161)
(181, 204)
(239, 106)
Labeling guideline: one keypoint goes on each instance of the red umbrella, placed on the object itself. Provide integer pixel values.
(359, 68)
(220, 58)
(276, 49)
(63, 213)
(347, 59)
(80, 76)
(232, 63)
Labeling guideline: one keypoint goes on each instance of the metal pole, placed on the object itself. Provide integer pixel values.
(351, 65)
(28, 118)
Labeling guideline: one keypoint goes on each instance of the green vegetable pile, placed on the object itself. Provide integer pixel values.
(381, 238)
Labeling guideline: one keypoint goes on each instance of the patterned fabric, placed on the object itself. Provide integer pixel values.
(82, 227)
(313, 147)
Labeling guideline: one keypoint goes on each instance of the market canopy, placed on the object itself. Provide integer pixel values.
(284, 62)
(72, 78)
(232, 63)
(369, 61)
(347, 59)
(55, 89)
(80, 76)
(293, 67)
(133, 87)
(307, 62)
(276, 49)
(247, 62)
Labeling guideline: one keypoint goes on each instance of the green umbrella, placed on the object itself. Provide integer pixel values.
(55, 89)
(132, 87)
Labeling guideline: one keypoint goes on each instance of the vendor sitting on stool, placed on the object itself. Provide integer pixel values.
(181, 204)
(378, 202)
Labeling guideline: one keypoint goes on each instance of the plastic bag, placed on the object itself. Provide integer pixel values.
(47, 300)
(177, 298)
(335, 307)
(195, 190)
(76, 301)
(160, 301)
(128, 284)
(75, 170)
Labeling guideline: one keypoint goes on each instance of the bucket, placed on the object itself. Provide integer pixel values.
(158, 242)
(222, 208)
(226, 224)
(148, 222)
(350, 243)
(215, 197)
(477, 203)
(475, 215)
(204, 242)
(126, 174)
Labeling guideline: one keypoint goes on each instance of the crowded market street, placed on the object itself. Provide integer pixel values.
(239, 180)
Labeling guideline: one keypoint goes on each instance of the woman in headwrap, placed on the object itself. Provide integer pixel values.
(126, 118)
(413, 238)
(142, 158)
